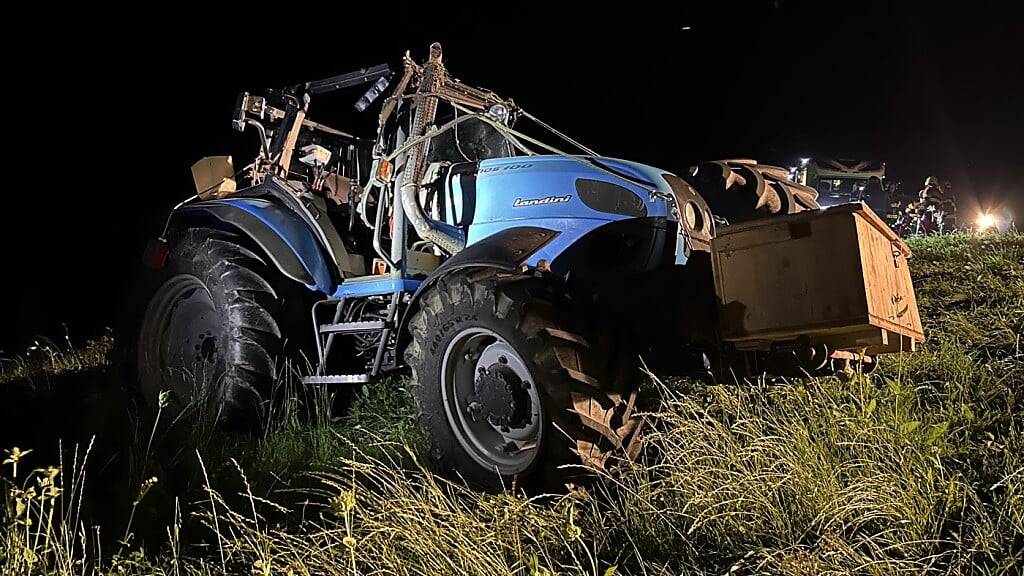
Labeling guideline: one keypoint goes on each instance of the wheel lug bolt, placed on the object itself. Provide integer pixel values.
(473, 410)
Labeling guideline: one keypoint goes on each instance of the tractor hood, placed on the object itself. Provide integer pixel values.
(596, 188)
(571, 195)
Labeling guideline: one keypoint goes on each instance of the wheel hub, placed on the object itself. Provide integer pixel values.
(179, 340)
(491, 400)
(501, 397)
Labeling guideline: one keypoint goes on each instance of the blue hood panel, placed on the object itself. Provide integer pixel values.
(531, 187)
(541, 191)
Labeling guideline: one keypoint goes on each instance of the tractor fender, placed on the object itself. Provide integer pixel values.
(506, 251)
(279, 232)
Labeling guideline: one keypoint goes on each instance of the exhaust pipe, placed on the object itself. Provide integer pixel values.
(431, 81)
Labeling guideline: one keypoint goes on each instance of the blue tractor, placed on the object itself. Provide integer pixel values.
(520, 283)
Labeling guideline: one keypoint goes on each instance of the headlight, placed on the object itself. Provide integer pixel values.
(986, 221)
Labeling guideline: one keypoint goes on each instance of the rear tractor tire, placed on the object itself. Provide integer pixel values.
(508, 392)
(209, 332)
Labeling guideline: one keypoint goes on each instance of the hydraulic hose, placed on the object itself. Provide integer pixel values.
(409, 186)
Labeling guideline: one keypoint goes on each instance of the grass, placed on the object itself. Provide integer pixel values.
(915, 468)
(47, 358)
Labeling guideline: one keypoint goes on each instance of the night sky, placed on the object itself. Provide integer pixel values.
(106, 119)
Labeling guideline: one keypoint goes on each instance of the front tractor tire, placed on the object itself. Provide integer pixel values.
(209, 331)
(509, 392)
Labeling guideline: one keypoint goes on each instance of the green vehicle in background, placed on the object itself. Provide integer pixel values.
(841, 181)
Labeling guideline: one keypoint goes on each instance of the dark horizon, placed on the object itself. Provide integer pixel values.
(113, 116)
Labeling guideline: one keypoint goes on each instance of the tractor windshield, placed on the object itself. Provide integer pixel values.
(469, 141)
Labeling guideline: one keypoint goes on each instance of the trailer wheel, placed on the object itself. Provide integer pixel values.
(209, 331)
(508, 393)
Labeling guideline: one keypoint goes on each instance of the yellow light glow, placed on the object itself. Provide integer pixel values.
(986, 221)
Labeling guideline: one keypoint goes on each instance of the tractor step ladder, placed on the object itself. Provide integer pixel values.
(337, 379)
(355, 289)
(325, 335)
(352, 327)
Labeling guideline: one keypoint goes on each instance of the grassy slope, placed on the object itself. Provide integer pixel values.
(917, 467)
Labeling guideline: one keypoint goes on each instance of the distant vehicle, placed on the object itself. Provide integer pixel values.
(841, 181)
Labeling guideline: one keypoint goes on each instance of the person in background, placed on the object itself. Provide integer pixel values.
(949, 208)
(936, 209)
(872, 189)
